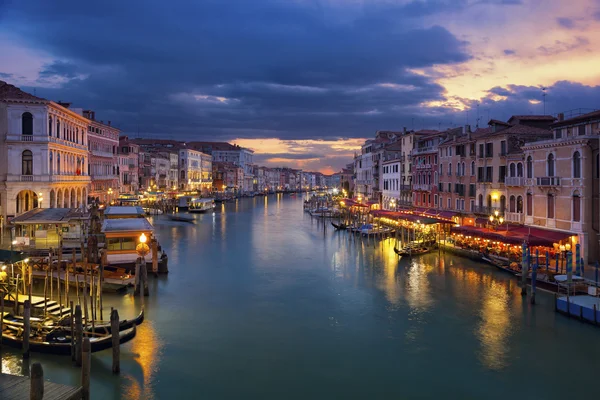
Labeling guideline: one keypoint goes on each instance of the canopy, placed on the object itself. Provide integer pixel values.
(515, 234)
(406, 217)
(352, 203)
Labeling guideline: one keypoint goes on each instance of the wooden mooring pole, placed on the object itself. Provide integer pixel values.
(26, 327)
(116, 351)
(78, 335)
(85, 368)
(37, 382)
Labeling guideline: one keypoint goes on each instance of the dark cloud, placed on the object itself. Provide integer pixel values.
(567, 23)
(6, 76)
(563, 47)
(509, 52)
(60, 69)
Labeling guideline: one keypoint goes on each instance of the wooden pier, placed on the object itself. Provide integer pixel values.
(14, 387)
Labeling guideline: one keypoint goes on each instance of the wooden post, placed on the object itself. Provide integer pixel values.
(84, 294)
(58, 288)
(46, 292)
(92, 303)
(26, 327)
(137, 279)
(116, 351)
(78, 335)
(36, 391)
(524, 269)
(101, 281)
(72, 331)
(144, 280)
(154, 244)
(85, 369)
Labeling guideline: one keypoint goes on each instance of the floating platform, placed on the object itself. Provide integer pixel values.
(18, 387)
(586, 308)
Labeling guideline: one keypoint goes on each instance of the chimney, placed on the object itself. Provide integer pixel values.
(561, 117)
(404, 130)
(108, 123)
(64, 104)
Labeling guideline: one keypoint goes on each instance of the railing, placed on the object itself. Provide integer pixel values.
(515, 181)
(100, 153)
(405, 187)
(483, 210)
(424, 149)
(100, 177)
(67, 143)
(26, 178)
(421, 186)
(518, 218)
(69, 178)
(548, 181)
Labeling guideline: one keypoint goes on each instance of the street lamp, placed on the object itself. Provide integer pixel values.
(393, 204)
(495, 220)
(40, 198)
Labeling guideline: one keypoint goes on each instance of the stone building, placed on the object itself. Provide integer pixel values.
(103, 142)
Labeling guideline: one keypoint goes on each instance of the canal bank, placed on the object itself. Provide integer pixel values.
(264, 301)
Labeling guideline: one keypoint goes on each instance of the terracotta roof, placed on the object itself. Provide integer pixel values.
(426, 132)
(394, 146)
(532, 118)
(498, 122)
(10, 92)
(522, 130)
(580, 118)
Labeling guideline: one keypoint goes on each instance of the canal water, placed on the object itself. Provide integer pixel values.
(262, 301)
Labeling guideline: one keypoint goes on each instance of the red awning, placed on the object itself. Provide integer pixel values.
(516, 234)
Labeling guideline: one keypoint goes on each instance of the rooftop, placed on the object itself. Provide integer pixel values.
(50, 216)
(126, 225)
(594, 115)
(122, 211)
(521, 130)
(10, 92)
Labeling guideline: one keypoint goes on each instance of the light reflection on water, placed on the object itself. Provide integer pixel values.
(264, 301)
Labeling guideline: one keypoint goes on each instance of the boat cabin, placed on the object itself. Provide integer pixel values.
(122, 237)
(115, 212)
(43, 228)
(199, 205)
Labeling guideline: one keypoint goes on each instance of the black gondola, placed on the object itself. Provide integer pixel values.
(339, 227)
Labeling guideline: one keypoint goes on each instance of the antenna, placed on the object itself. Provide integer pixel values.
(544, 97)
(477, 121)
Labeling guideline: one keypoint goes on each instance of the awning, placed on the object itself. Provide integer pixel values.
(352, 203)
(515, 234)
(397, 215)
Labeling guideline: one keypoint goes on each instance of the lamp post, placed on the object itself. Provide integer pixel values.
(40, 199)
(141, 274)
(496, 220)
(110, 192)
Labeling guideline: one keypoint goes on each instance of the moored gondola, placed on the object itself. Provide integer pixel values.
(339, 227)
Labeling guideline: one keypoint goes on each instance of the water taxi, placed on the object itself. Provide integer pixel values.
(200, 205)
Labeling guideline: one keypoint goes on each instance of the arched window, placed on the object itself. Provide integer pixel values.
(489, 201)
(550, 164)
(449, 169)
(529, 167)
(49, 126)
(529, 204)
(26, 123)
(51, 169)
(502, 203)
(27, 163)
(58, 128)
(182, 174)
(512, 204)
(472, 168)
(520, 170)
(550, 205)
(429, 178)
(576, 207)
(480, 200)
(520, 204)
(463, 169)
(511, 170)
(58, 163)
(576, 165)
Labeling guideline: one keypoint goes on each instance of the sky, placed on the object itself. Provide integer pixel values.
(301, 82)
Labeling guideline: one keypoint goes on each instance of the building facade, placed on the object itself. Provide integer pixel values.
(128, 168)
(103, 142)
(43, 154)
(195, 171)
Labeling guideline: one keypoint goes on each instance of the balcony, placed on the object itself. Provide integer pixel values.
(483, 210)
(422, 150)
(422, 186)
(67, 143)
(47, 178)
(515, 181)
(99, 153)
(101, 177)
(406, 187)
(517, 218)
(69, 178)
(547, 181)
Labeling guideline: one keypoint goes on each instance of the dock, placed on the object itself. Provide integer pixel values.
(13, 387)
(586, 308)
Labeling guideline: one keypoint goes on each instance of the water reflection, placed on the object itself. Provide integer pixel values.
(146, 349)
(495, 329)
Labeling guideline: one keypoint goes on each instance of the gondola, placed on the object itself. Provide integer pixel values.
(59, 341)
(417, 251)
(339, 227)
(181, 218)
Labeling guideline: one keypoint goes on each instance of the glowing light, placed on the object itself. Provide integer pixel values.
(143, 238)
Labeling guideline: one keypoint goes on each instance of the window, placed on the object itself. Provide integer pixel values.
(480, 200)
(576, 207)
(512, 204)
(449, 187)
(49, 126)
(472, 168)
(520, 204)
(449, 169)
(520, 170)
(457, 204)
(489, 174)
(57, 128)
(529, 167)
(576, 165)
(449, 204)
(26, 123)
(481, 150)
(512, 170)
(581, 130)
(441, 169)
(472, 205)
(529, 204)
(558, 133)
(502, 173)
(550, 206)
(503, 148)
(441, 202)
(27, 163)
(489, 149)
(550, 164)
(480, 176)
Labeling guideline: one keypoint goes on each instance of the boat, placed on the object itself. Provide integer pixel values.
(180, 218)
(59, 341)
(201, 205)
(114, 281)
(412, 251)
(152, 211)
(339, 227)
